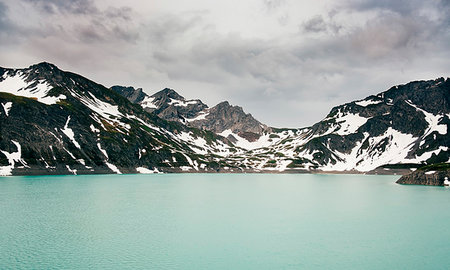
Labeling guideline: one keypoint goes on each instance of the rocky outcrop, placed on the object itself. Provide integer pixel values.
(132, 94)
(171, 106)
(434, 175)
(224, 116)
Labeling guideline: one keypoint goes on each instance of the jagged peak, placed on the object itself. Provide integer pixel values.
(227, 105)
(134, 95)
(223, 103)
(168, 92)
(128, 88)
(45, 65)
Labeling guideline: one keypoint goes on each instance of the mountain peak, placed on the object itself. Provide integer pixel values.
(223, 104)
(167, 92)
(44, 65)
(132, 94)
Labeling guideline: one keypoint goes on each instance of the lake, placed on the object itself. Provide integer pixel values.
(222, 221)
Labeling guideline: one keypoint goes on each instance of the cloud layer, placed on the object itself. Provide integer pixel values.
(287, 62)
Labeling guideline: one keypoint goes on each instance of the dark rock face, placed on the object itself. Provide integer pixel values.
(133, 95)
(223, 116)
(402, 108)
(92, 130)
(406, 126)
(171, 106)
(422, 177)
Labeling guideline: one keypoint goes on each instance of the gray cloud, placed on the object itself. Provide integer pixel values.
(402, 7)
(274, 4)
(64, 6)
(4, 21)
(112, 24)
(283, 76)
(318, 24)
(392, 35)
(315, 24)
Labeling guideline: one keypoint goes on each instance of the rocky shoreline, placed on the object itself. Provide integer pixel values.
(434, 175)
(77, 169)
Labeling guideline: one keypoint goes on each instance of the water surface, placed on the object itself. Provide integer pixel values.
(222, 221)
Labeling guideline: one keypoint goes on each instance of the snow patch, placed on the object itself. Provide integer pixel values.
(69, 133)
(12, 159)
(201, 116)
(199, 144)
(71, 170)
(102, 150)
(394, 151)
(185, 168)
(129, 116)
(113, 167)
(349, 123)
(190, 161)
(181, 103)
(365, 103)
(18, 86)
(95, 130)
(144, 170)
(263, 141)
(446, 181)
(7, 106)
(106, 110)
(282, 165)
(433, 121)
(70, 154)
(147, 102)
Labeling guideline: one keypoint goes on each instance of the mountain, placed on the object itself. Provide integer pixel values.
(224, 119)
(405, 124)
(58, 122)
(133, 95)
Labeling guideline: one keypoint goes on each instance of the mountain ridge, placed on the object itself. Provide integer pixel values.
(170, 105)
(58, 122)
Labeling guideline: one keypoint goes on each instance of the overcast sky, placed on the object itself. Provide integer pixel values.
(285, 61)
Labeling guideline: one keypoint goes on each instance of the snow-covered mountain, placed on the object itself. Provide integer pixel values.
(57, 122)
(224, 119)
(407, 124)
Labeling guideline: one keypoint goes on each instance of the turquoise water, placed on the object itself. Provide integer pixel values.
(222, 221)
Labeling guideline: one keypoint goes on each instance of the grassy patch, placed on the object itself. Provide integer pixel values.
(436, 167)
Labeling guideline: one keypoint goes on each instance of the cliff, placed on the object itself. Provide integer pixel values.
(433, 175)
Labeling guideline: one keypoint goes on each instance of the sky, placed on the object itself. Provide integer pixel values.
(287, 62)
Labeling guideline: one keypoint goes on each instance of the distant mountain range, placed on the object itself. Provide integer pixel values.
(58, 122)
(171, 106)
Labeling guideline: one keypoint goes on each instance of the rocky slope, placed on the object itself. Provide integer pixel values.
(432, 175)
(405, 124)
(57, 122)
(133, 95)
(224, 118)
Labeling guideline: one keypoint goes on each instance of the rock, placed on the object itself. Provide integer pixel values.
(171, 106)
(224, 116)
(433, 175)
(132, 94)
(89, 129)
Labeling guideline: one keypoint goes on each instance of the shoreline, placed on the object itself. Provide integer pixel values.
(128, 171)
